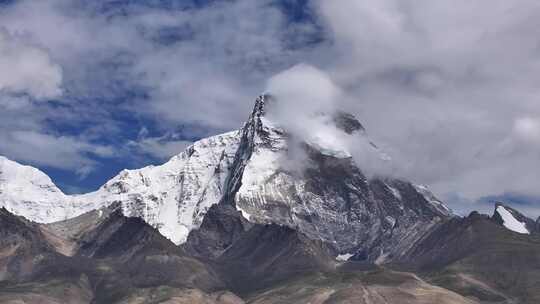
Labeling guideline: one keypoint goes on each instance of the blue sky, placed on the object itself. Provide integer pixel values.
(88, 88)
(99, 94)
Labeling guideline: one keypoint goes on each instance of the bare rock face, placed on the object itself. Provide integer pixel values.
(112, 258)
(329, 199)
(22, 247)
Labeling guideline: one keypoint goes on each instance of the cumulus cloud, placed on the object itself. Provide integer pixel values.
(54, 151)
(114, 63)
(302, 91)
(27, 69)
(160, 147)
(201, 66)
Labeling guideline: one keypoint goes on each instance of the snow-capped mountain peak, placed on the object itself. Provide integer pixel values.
(324, 194)
(270, 171)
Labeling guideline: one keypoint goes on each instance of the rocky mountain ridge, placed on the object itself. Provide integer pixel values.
(116, 259)
(330, 199)
(232, 220)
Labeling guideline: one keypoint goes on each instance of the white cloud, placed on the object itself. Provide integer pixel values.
(62, 152)
(25, 68)
(299, 96)
(160, 147)
(305, 100)
(528, 128)
(444, 87)
(207, 78)
(304, 89)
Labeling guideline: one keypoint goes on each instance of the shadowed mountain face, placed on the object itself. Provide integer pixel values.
(112, 258)
(22, 247)
(254, 256)
(115, 259)
(478, 257)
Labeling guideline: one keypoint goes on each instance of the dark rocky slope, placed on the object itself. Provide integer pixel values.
(117, 259)
(477, 257)
(531, 225)
(123, 260)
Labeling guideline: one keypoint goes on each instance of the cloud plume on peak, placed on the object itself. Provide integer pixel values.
(308, 106)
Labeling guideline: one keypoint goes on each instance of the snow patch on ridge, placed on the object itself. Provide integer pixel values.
(510, 222)
(344, 257)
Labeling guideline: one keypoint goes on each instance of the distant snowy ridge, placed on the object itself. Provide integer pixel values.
(172, 197)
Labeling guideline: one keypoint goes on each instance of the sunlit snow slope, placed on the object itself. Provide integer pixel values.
(172, 197)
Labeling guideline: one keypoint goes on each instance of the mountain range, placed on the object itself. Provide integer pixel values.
(241, 218)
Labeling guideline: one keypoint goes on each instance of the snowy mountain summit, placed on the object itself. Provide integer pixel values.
(270, 174)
